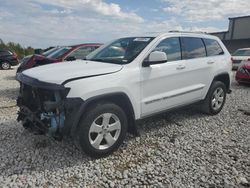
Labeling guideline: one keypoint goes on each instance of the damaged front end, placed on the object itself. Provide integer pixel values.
(44, 108)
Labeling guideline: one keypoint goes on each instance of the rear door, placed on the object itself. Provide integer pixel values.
(199, 68)
(217, 59)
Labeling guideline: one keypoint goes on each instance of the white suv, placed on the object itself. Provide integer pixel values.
(96, 101)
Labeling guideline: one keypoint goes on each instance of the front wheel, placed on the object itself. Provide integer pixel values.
(102, 130)
(5, 65)
(215, 98)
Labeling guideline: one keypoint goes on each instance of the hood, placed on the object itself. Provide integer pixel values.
(247, 64)
(26, 59)
(59, 73)
(41, 57)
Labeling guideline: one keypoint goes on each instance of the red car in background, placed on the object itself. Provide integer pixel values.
(243, 73)
(57, 54)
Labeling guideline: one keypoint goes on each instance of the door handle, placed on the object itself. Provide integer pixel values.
(210, 62)
(180, 67)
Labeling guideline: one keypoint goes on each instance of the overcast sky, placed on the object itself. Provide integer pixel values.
(43, 23)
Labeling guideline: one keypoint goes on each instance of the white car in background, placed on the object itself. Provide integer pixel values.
(240, 55)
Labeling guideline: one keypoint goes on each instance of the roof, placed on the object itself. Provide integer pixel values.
(239, 17)
(220, 32)
(159, 34)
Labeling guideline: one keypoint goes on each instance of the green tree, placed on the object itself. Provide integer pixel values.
(17, 48)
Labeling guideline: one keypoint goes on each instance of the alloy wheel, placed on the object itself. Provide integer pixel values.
(218, 98)
(104, 131)
(5, 65)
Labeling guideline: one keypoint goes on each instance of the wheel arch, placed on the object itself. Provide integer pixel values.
(224, 78)
(119, 98)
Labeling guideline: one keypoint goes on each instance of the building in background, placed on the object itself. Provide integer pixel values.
(238, 34)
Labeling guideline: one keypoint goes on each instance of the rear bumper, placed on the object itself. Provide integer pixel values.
(14, 62)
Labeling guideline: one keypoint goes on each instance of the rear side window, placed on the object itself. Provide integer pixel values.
(213, 47)
(172, 48)
(192, 48)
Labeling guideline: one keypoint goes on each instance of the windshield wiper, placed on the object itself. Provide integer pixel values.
(113, 61)
(101, 60)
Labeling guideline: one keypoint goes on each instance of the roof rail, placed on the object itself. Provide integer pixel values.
(177, 31)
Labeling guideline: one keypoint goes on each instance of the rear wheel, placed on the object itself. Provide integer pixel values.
(215, 98)
(5, 65)
(102, 130)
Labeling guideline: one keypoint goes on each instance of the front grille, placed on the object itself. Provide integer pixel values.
(237, 61)
(244, 80)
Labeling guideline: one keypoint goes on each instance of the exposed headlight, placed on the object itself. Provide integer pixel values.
(242, 70)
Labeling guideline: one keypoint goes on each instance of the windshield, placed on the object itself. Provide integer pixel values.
(49, 51)
(59, 52)
(242, 53)
(121, 51)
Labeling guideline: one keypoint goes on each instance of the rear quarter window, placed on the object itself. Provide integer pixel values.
(192, 48)
(213, 47)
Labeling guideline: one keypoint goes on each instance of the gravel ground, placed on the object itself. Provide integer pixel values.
(179, 149)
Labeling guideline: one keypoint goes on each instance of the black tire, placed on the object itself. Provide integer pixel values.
(5, 65)
(207, 106)
(89, 117)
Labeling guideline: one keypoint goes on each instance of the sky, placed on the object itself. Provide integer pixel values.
(44, 23)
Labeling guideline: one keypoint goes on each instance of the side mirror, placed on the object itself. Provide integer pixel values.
(70, 58)
(155, 57)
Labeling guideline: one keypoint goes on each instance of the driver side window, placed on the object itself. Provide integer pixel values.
(171, 46)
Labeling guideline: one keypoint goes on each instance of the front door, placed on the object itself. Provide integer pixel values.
(162, 83)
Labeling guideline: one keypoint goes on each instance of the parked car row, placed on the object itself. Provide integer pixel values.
(57, 54)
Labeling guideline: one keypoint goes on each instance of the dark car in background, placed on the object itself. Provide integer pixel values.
(243, 73)
(58, 54)
(7, 59)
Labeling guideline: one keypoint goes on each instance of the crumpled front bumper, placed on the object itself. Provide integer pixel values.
(45, 108)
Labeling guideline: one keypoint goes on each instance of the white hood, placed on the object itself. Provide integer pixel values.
(59, 72)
